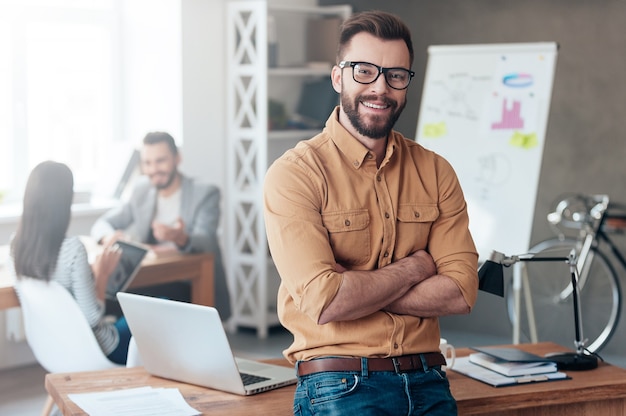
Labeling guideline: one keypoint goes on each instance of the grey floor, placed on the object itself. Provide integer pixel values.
(22, 389)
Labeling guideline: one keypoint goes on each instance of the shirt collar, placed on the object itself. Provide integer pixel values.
(354, 150)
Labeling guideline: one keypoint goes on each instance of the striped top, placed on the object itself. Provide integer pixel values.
(74, 273)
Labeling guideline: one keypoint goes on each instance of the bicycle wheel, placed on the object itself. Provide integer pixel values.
(549, 287)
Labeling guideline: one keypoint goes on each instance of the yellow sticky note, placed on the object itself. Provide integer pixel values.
(434, 130)
(525, 141)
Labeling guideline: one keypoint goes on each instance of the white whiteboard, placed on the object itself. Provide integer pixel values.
(485, 109)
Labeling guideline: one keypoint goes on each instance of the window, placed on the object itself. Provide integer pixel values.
(73, 89)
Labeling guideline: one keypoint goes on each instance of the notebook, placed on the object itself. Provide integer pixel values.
(127, 268)
(187, 342)
(463, 365)
(511, 354)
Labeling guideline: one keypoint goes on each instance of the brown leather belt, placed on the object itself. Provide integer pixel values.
(401, 364)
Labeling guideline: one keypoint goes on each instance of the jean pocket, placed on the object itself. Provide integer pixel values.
(332, 387)
(438, 373)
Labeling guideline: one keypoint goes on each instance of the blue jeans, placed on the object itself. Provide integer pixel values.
(375, 393)
(120, 353)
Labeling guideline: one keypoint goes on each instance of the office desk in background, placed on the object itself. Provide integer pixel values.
(173, 267)
(597, 392)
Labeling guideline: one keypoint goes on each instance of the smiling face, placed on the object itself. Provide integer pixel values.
(369, 111)
(159, 164)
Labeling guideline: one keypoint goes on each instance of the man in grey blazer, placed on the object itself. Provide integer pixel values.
(169, 211)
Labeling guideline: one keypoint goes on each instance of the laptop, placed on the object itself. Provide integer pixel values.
(127, 268)
(187, 342)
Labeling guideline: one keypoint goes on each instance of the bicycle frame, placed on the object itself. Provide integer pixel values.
(602, 236)
(592, 240)
(591, 229)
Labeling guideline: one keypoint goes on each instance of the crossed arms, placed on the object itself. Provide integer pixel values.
(410, 286)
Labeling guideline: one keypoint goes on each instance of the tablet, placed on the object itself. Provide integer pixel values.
(127, 268)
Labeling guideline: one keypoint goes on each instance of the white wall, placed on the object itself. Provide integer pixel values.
(204, 100)
(151, 39)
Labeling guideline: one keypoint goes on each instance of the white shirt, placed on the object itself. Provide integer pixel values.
(168, 209)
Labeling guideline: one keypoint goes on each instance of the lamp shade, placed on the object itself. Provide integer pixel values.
(491, 278)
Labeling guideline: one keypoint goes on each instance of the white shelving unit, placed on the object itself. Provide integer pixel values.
(253, 279)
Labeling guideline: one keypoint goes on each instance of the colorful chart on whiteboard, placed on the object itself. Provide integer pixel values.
(485, 109)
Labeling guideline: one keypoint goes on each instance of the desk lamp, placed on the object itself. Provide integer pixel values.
(491, 279)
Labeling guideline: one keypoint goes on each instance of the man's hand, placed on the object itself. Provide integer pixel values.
(175, 233)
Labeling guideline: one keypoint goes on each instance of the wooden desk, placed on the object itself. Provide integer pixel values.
(275, 403)
(596, 392)
(196, 268)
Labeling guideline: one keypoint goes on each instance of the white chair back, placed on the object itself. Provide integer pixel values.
(133, 359)
(56, 329)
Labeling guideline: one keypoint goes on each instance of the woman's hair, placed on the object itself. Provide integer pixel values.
(381, 24)
(45, 219)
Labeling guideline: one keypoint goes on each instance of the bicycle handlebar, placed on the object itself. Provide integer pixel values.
(580, 211)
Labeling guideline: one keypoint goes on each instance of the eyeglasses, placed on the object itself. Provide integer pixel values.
(366, 73)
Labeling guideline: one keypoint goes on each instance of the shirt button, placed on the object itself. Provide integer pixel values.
(369, 156)
(387, 215)
(395, 346)
(356, 163)
(347, 223)
(378, 178)
(386, 254)
(417, 214)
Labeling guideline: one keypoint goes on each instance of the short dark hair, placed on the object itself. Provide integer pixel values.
(161, 137)
(381, 24)
(45, 218)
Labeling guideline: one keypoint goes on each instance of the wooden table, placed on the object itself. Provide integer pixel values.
(174, 267)
(597, 392)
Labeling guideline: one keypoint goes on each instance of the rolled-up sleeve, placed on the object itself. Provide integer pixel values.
(450, 242)
(298, 240)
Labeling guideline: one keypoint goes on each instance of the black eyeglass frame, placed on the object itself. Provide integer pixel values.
(381, 70)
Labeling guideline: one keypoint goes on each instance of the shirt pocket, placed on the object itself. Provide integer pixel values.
(349, 236)
(414, 223)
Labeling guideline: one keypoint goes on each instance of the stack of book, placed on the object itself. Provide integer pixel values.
(507, 367)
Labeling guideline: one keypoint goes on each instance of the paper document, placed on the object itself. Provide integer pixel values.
(464, 366)
(139, 401)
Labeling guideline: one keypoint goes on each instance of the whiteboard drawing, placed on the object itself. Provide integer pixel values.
(485, 109)
(511, 117)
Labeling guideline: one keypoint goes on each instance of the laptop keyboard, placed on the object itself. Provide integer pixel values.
(251, 379)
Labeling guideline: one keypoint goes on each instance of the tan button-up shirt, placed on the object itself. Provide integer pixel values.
(326, 202)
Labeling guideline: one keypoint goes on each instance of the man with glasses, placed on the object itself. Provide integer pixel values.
(369, 233)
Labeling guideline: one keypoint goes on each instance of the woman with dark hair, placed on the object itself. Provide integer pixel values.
(40, 249)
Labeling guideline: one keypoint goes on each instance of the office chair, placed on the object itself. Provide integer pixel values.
(58, 332)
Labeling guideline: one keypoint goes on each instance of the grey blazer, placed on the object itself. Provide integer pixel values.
(200, 211)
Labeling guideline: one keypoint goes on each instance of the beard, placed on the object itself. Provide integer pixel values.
(378, 127)
(170, 179)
